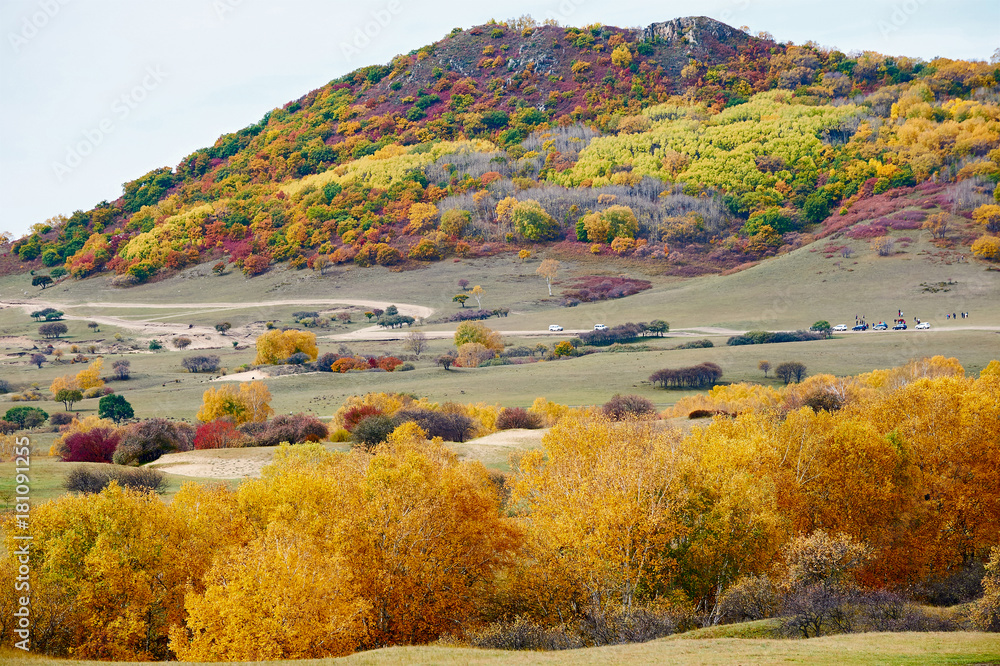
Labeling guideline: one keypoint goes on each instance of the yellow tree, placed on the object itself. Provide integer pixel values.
(352, 550)
(548, 270)
(477, 293)
(505, 209)
(90, 377)
(988, 215)
(109, 571)
(422, 216)
(602, 505)
(63, 382)
(251, 402)
(275, 346)
(476, 331)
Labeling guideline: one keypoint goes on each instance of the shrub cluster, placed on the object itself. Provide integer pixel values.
(696, 376)
(26, 417)
(476, 315)
(597, 288)
(768, 337)
(517, 417)
(90, 480)
(331, 362)
(146, 441)
(622, 333)
(291, 428)
(621, 407)
(449, 426)
(696, 344)
(206, 363)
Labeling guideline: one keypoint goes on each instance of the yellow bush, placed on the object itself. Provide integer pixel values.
(275, 346)
(550, 412)
(987, 247)
(251, 402)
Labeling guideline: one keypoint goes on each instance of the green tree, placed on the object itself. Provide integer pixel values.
(68, 397)
(41, 281)
(115, 407)
(532, 222)
(26, 417)
(460, 299)
(822, 326)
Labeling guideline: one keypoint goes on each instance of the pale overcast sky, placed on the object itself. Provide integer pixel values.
(139, 85)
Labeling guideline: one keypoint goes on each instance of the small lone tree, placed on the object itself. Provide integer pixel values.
(548, 270)
(822, 326)
(445, 361)
(523, 255)
(477, 293)
(764, 366)
(115, 407)
(53, 329)
(38, 359)
(68, 396)
(416, 342)
(463, 284)
(41, 281)
(790, 371)
(122, 369)
(460, 299)
(182, 342)
(222, 327)
(92, 325)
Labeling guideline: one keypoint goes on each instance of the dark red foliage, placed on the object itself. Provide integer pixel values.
(97, 445)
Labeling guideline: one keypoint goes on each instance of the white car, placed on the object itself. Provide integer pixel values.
(555, 327)
(840, 328)
(600, 327)
(923, 326)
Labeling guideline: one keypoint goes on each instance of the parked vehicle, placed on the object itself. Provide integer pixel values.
(555, 327)
(899, 327)
(860, 327)
(840, 328)
(880, 327)
(600, 327)
(923, 326)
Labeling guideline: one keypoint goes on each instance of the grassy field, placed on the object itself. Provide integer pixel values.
(904, 649)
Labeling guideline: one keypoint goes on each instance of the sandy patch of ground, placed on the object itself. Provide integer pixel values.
(8, 341)
(492, 450)
(202, 337)
(496, 449)
(248, 376)
(217, 464)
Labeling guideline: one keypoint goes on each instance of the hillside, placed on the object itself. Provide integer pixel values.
(689, 147)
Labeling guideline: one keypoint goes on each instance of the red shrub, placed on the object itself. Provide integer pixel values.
(389, 363)
(97, 445)
(355, 415)
(218, 434)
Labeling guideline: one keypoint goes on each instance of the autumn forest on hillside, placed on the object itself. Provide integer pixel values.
(691, 145)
